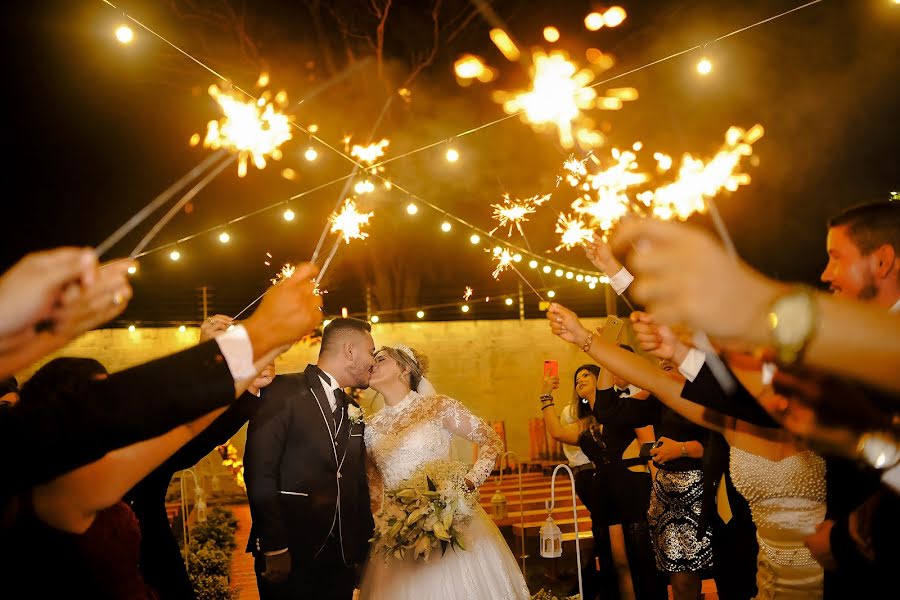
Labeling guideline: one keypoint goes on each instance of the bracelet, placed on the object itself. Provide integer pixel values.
(546, 397)
(543, 406)
(587, 344)
(683, 450)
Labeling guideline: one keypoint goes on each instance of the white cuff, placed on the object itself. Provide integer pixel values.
(891, 478)
(275, 552)
(621, 280)
(238, 352)
(692, 364)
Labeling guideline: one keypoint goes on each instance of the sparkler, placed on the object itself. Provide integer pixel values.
(514, 212)
(574, 232)
(468, 293)
(253, 129)
(369, 154)
(287, 271)
(505, 261)
(348, 225)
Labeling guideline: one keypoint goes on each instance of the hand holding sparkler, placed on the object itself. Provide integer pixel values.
(684, 276)
(214, 326)
(601, 256)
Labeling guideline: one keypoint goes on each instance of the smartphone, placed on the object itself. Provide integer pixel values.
(646, 448)
(551, 368)
(612, 329)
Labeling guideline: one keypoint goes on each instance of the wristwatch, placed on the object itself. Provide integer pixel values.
(793, 318)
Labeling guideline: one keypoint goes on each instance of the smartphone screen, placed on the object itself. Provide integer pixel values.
(612, 329)
(551, 368)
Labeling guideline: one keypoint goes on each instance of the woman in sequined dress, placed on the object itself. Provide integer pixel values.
(784, 482)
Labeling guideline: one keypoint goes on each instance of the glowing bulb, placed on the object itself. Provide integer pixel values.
(375, 318)
(224, 237)
(551, 294)
(311, 154)
(594, 21)
(558, 272)
(579, 278)
(517, 257)
(452, 155)
(132, 269)
(551, 34)
(175, 255)
(131, 328)
(508, 301)
(570, 275)
(420, 314)
(704, 67)
(124, 34)
(614, 16)
(182, 328)
(412, 208)
(546, 269)
(289, 215)
(465, 308)
(592, 285)
(474, 238)
(533, 264)
(497, 250)
(446, 226)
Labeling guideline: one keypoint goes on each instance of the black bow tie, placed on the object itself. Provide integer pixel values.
(625, 392)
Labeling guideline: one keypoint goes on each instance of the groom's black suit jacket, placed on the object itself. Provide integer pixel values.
(304, 482)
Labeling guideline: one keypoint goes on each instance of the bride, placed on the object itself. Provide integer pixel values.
(414, 428)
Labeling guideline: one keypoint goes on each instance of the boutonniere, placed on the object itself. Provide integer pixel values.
(356, 414)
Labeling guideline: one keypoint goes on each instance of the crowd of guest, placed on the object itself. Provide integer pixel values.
(775, 462)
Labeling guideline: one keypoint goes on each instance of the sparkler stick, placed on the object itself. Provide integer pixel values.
(528, 283)
(331, 254)
(184, 200)
(161, 199)
(258, 298)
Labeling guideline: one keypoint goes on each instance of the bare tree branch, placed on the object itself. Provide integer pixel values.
(429, 58)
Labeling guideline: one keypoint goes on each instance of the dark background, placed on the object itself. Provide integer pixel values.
(96, 130)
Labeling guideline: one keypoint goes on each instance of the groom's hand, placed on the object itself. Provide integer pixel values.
(278, 567)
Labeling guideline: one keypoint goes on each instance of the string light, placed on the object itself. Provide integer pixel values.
(551, 34)
(420, 314)
(546, 269)
(131, 328)
(614, 16)
(533, 264)
(558, 272)
(452, 155)
(508, 301)
(446, 226)
(412, 208)
(132, 269)
(224, 237)
(288, 215)
(593, 21)
(551, 294)
(474, 238)
(182, 328)
(124, 34)
(374, 318)
(464, 308)
(175, 255)
(311, 154)
(704, 66)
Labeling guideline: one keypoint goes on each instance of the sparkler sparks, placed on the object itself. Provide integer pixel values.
(369, 154)
(468, 293)
(287, 271)
(253, 129)
(514, 212)
(348, 222)
(504, 261)
(574, 232)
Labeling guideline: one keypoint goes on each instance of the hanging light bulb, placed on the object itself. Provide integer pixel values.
(509, 301)
(465, 308)
(311, 154)
(420, 314)
(175, 255)
(374, 318)
(412, 208)
(474, 238)
(446, 226)
(704, 66)
(452, 155)
(288, 215)
(224, 237)
(132, 269)
(124, 34)
(533, 264)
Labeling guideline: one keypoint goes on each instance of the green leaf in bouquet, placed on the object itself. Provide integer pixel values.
(431, 486)
(458, 540)
(447, 519)
(416, 515)
(441, 532)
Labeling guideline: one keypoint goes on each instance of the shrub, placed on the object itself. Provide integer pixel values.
(209, 558)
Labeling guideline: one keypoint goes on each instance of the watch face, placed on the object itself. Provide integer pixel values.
(791, 318)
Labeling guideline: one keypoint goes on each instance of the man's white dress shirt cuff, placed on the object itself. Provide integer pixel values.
(692, 363)
(621, 280)
(238, 352)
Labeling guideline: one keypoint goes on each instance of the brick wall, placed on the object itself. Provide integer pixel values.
(493, 367)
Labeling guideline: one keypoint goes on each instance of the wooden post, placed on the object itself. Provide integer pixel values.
(205, 304)
(521, 303)
(368, 302)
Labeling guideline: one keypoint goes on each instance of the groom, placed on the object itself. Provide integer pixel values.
(305, 473)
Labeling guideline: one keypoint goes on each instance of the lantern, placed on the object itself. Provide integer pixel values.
(498, 504)
(201, 510)
(551, 539)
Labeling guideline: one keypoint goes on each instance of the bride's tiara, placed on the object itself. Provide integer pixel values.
(408, 352)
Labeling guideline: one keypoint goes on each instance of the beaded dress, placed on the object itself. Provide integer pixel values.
(400, 439)
(787, 499)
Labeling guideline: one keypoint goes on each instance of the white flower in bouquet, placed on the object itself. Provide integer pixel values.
(357, 414)
(425, 511)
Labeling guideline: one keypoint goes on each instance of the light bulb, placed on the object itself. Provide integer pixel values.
(474, 238)
(124, 34)
(289, 215)
(704, 67)
(175, 255)
(224, 237)
(412, 208)
(452, 155)
(445, 226)
(311, 154)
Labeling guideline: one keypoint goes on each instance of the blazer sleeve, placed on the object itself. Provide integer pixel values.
(53, 437)
(741, 404)
(267, 436)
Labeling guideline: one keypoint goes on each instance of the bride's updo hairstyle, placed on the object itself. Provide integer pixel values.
(408, 359)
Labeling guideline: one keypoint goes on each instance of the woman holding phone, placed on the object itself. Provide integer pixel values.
(609, 434)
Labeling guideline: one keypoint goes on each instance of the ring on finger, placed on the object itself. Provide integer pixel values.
(117, 298)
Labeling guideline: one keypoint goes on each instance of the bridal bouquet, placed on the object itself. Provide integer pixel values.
(425, 511)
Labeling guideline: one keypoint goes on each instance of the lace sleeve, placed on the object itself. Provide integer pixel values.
(376, 485)
(459, 420)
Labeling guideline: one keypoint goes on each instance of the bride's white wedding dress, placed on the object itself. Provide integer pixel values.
(400, 439)
(787, 499)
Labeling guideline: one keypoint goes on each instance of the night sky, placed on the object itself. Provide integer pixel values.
(98, 129)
